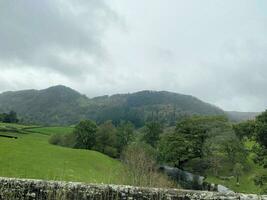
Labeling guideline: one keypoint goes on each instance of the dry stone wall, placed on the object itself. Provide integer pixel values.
(25, 189)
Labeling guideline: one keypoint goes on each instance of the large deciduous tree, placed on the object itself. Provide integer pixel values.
(125, 133)
(85, 134)
(152, 132)
(106, 139)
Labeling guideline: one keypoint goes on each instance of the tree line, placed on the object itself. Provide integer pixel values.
(105, 138)
(121, 142)
(203, 145)
(10, 117)
(256, 130)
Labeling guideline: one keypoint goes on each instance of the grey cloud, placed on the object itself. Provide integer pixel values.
(49, 33)
(215, 50)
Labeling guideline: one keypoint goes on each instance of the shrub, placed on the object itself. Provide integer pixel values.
(56, 139)
(139, 159)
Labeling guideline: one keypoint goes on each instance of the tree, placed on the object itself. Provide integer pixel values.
(124, 135)
(106, 139)
(213, 154)
(261, 181)
(188, 139)
(152, 132)
(234, 150)
(2, 117)
(261, 129)
(174, 149)
(85, 133)
(261, 148)
(10, 117)
(238, 171)
(196, 130)
(245, 129)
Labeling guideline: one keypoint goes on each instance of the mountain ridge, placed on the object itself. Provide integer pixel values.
(61, 105)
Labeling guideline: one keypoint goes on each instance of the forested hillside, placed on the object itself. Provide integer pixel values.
(65, 106)
(55, 105)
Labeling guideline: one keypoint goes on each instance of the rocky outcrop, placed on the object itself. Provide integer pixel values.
(25, 189)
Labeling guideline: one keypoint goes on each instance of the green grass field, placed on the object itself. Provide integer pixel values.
(31, 156)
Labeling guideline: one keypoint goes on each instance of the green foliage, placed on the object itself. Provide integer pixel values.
(125, 135)
(261, 181)
(261, 130)
(246, 184)
(60, 105)
(56, 139)
(245, 129)
(260, 135)
(140, 161)
(106, 139)
(196, 130)
(261, 148)
(233, 149)
(238, 171)
(151, 133)
(85, 134)
(10, 117)
(203, 145)
(174, 149)
(223, 148)
(65, 140)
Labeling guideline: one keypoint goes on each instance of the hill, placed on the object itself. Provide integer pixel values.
(55, 105)
(60, 105)
(31, 156)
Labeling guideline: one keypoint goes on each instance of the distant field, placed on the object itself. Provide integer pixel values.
(51, 130)
(31, 156)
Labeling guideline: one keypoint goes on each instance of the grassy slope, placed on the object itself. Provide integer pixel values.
(31, 156)
(246, 180)
(51, 130)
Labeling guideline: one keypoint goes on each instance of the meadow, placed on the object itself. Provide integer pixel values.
(31, 156)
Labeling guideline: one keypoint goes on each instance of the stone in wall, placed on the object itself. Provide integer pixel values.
(26, 189)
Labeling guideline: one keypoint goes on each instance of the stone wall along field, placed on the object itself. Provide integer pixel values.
(25, 189)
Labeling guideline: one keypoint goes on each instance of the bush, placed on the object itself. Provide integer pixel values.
(67, 140)
(141, 170)
(197, 166)
(111, 151)
(56, 139)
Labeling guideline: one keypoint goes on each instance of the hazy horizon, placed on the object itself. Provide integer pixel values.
(213, 50)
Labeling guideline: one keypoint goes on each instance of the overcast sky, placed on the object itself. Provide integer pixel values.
(215, 50)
